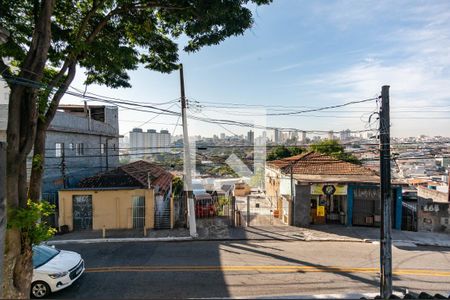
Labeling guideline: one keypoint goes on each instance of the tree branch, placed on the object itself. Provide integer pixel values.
(59, 93)
(95, 6)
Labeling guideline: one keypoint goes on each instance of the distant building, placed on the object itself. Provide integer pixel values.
(276, 136)
(250, 136)
(331, 135)
(345, 135)
(303, 137)
(146, 143)
(222, 136)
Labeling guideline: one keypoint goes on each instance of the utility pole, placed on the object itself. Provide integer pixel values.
(291, 212)
(106, 154)
(187, 162)
(63, 166)
(386, 197)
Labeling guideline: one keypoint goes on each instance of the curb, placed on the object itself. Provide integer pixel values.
(400, 243)
(119, 240)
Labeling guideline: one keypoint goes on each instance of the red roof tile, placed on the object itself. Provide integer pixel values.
(313, 163)
(135, 174)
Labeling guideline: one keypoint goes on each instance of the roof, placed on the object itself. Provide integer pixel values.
(227, 187)
(313, 166)
(202, 196)
(134, 174)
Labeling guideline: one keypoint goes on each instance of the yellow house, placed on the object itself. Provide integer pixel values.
(136, 195)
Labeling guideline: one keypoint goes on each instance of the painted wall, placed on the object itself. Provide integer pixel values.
(302, 205)
(433, 216)
(110, 208)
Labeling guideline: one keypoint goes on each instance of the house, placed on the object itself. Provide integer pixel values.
(433, 210)
(326, 190)
(82, 140)
(135, 195)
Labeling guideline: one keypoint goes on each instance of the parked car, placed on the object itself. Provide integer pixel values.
(54, 270)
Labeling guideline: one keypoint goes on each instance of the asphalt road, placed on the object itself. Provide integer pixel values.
(249, 269)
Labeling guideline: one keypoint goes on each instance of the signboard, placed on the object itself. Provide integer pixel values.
(328, 189)
(321, 211)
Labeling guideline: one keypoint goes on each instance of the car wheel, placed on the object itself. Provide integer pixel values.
(39, 289)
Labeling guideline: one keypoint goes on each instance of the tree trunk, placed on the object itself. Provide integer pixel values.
(37, 171)
(22, 122)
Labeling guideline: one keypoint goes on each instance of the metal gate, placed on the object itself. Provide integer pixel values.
(162, 213)
(82, 212)
(138, 212)
(258, 210)
(367, 207)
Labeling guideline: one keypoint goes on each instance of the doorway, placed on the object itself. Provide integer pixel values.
(82, 212)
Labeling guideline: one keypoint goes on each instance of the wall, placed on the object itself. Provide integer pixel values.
(302, 205)
(272, 184)
(431, 216)
(110, 208)
(70, 129)
(436, 196)
(433, 209)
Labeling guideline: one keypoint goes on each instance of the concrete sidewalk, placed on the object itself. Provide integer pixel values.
(210, 230)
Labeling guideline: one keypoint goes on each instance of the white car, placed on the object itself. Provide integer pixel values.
(54, 270)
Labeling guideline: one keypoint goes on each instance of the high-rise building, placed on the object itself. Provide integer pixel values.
(303, 137)
(222, 136)
(250, 137)
(145, 143)
(345, 135)
(276, 136)
(331, 135)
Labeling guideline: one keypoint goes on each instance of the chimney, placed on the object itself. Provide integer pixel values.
(148, 180)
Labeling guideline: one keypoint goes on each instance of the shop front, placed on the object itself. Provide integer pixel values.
(328, 203)
(349, 204)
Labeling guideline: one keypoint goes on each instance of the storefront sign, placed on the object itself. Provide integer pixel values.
(328, 189)
(321, 211)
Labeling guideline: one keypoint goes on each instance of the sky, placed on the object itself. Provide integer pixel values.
(308, 54)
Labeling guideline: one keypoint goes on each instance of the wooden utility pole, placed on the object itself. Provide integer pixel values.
(187, 162)
(292, 208)
(386, 197)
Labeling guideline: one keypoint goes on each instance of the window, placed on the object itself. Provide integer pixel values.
(79, 150)
(71, 146)
(102, 148)
(59, 149)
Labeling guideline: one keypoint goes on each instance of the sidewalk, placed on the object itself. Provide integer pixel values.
(213, 230)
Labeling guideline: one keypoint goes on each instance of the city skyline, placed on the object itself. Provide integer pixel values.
(293, 67)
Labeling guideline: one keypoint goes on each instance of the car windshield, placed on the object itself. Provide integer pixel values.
(42, 254)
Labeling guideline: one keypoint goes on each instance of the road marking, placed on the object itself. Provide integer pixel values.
(266, 269)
